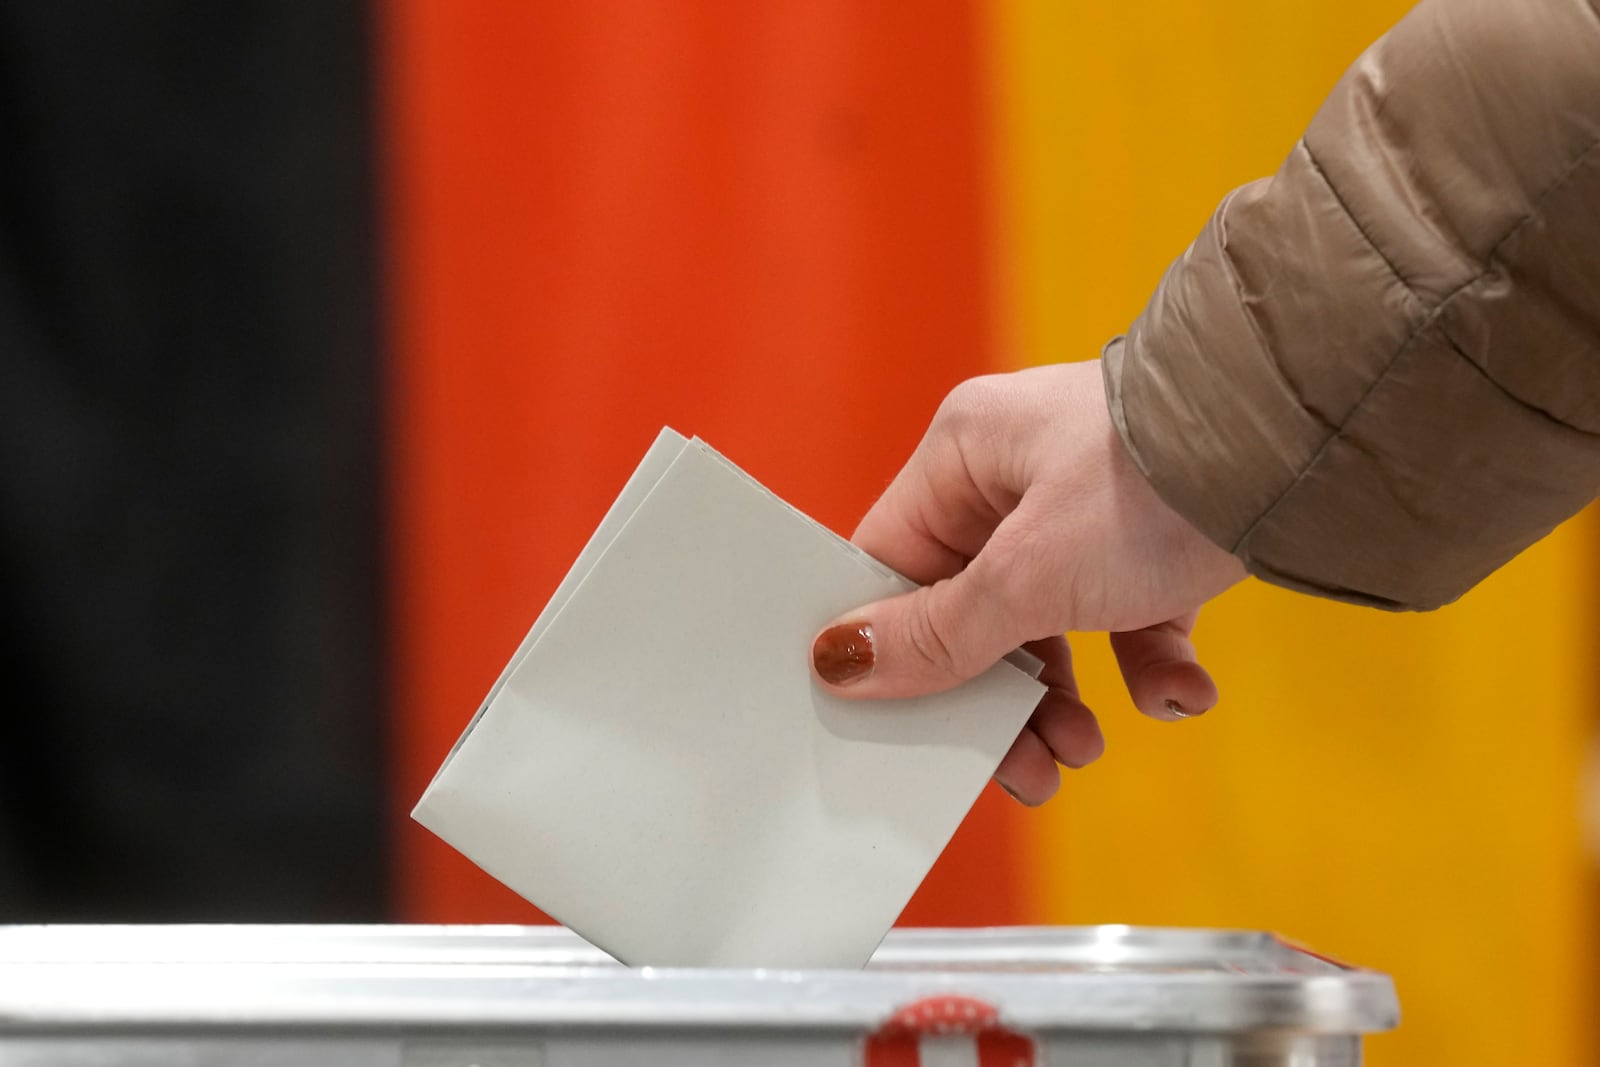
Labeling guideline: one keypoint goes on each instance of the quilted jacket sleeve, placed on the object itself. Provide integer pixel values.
(1376, 375)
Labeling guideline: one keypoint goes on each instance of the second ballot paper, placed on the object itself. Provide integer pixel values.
(657, 769)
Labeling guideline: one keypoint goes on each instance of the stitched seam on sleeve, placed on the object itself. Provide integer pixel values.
(1526, 405)
(1366, 236)
(1225, 261)
(1491, 261)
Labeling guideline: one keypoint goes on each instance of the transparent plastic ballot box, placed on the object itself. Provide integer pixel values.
(501, 996)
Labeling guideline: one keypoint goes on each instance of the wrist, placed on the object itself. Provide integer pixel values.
(1210, 566)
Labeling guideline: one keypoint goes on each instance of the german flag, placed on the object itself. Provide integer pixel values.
(329, 330)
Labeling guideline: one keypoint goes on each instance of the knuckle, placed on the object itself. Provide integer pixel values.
(978, 425)
(973, 405)
(1032, 580)
(933, 633)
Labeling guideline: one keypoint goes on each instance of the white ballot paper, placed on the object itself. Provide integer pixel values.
(657, 768)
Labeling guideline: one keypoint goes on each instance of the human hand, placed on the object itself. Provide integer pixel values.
(1024, 511)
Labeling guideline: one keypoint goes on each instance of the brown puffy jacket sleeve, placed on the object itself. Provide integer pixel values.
(1376, 375)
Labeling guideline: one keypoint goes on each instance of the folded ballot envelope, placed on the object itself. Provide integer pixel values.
(657, 769)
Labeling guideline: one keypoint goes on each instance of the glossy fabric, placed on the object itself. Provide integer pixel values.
(1376, 375)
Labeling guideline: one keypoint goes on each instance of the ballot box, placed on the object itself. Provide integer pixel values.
(506, 996)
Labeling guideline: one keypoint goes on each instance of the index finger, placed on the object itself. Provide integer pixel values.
(931, 520)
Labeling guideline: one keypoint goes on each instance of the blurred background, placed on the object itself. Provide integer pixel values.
(327, 333)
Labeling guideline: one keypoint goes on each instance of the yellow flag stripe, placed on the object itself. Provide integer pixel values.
(1404, 791)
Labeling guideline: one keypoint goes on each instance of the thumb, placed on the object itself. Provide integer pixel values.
(925, 641)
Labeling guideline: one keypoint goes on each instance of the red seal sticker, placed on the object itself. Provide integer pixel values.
(947, 1030)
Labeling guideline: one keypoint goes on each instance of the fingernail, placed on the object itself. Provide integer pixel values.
(1007, 790)
(843, 654)
(1182, 712)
